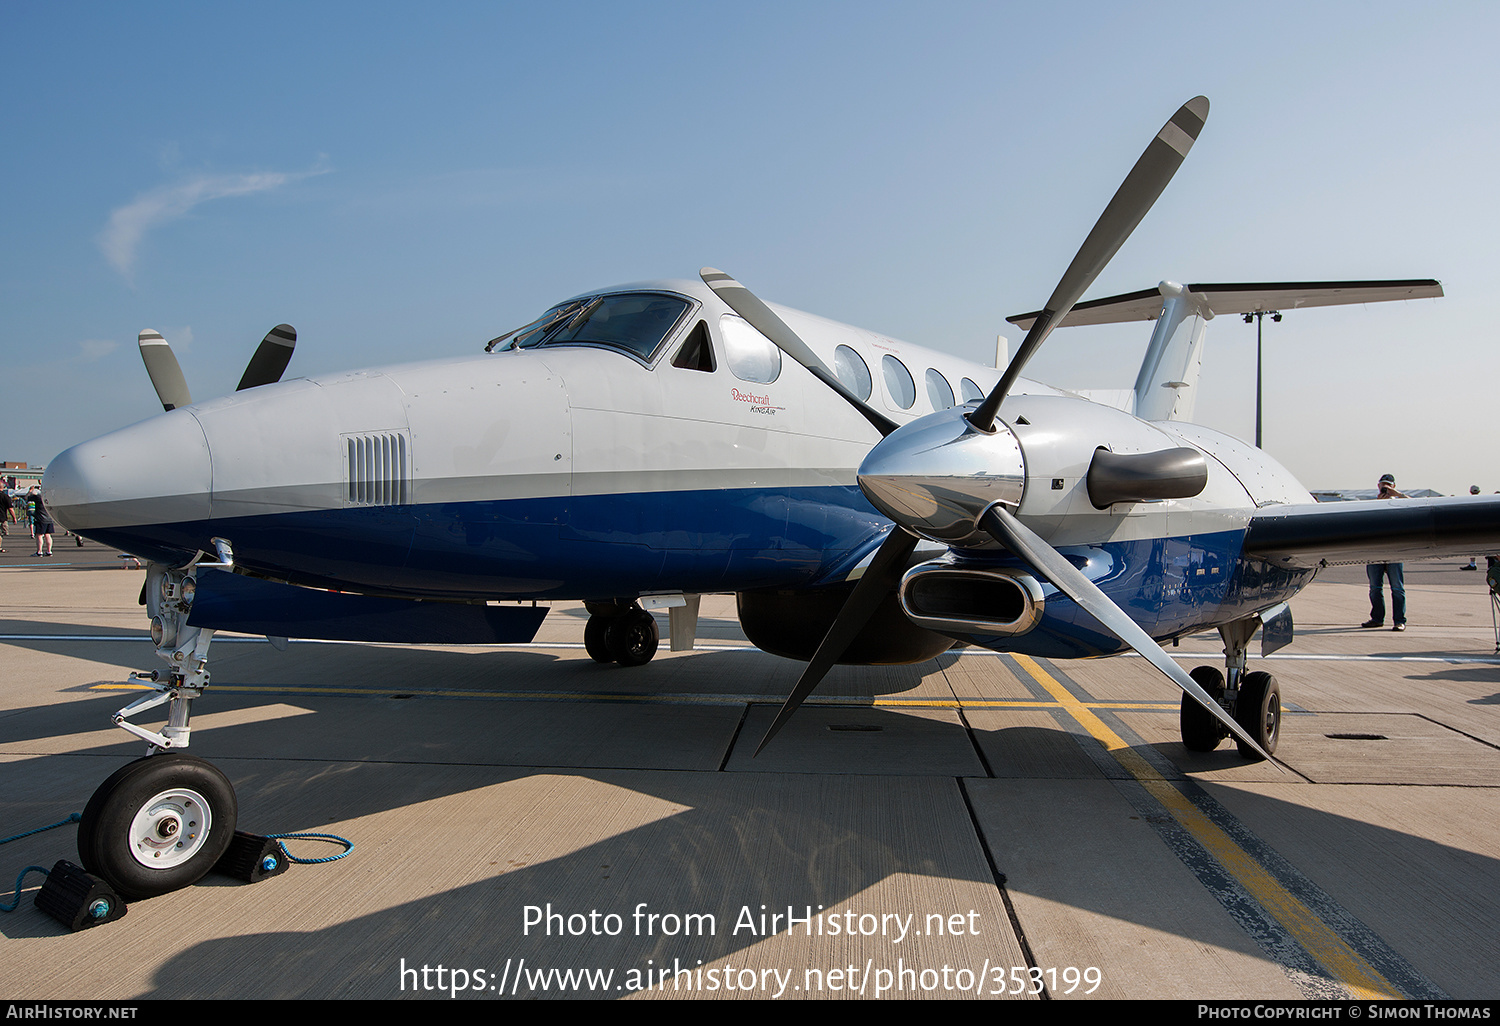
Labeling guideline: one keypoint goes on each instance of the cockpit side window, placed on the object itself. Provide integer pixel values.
(750, 355)
(697, 352)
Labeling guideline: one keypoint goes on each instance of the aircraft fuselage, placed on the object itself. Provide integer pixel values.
(590, 470)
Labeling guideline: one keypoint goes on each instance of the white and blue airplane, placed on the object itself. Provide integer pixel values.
(636, 447)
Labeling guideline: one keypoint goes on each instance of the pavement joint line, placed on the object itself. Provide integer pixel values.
(1346, 965)
(666, 698)
(1016, 926)
(223, 637)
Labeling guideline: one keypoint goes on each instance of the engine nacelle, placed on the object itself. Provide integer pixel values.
(792, 623)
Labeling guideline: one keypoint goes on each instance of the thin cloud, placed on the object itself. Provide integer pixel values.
(129, 224)
(91, 349)
(181, 339)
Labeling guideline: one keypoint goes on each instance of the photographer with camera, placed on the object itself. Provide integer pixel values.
(1390, 571)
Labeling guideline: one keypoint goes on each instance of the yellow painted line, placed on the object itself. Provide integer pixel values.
(1013, 703)
(1320, 941)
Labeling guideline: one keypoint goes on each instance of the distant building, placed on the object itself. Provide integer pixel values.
(19, 475)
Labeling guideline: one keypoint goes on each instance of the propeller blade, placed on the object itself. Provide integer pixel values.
(1051, 564)
(760, 317)
(164, 370)
(879, 579)
(270, 359)
(1155, 168)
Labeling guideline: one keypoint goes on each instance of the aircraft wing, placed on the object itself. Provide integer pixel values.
(1241, 298)
(1374, 531)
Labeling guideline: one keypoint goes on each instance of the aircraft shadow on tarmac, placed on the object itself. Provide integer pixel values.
(728, 839)
(30, 627)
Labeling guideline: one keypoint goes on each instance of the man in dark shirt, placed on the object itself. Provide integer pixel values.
(41, 521)
(1390, 571)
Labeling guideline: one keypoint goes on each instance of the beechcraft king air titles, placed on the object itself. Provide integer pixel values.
(635, 447)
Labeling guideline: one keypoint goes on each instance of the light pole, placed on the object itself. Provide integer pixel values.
(1258, 316)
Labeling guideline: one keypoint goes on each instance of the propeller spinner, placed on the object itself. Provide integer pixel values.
(951, 476)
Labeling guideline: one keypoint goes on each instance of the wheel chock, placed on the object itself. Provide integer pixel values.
(78, 899)
(252, 858)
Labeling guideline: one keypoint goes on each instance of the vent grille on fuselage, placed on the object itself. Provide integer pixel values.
(377, 468)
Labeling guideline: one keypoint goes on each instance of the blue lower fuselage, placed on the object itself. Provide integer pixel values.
(724, 540)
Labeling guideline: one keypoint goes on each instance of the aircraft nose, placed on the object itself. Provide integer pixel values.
(152, 473)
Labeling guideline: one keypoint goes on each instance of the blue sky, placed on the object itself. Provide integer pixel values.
(400, 182)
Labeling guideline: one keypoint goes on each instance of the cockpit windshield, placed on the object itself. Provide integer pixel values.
(636, 322)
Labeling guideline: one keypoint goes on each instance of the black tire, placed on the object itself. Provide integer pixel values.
(157, 825)
(1201, 732)
(1258, 710)
(595, 641)
(633, 638)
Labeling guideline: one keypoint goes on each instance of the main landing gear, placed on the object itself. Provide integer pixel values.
(620, 634)
(1253, 699)
(161, 822)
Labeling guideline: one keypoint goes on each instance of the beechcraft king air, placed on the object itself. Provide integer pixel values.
(636, 447)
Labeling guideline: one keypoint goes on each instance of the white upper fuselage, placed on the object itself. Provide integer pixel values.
(553, 434)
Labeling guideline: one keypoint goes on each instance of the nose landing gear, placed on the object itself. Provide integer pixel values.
(160, 823)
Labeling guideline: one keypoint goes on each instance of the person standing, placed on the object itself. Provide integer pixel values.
(1377, 572)
(1473, 560)
(41, 521)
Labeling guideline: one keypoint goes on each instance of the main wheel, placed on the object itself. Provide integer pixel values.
(158, 824)
(595, 641)
(1201, 732)
(633, 638)
(1258, 710)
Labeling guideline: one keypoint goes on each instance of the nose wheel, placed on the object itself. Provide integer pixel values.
(158, 824)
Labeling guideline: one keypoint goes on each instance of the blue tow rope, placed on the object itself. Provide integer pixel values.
(62, 822)
(29, 869)
(16, 901)
(335, 839)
